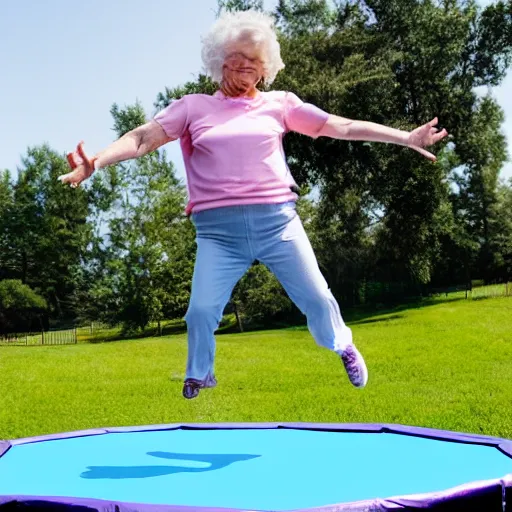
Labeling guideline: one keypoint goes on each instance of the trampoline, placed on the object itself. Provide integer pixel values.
(257, 467)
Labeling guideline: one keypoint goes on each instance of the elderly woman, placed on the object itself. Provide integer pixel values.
(241, 193)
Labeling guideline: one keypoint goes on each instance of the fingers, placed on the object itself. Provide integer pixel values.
(431, 136)
(440, 135)
(66, 178)
(70, 178)
(434, 131)
(433, 122)
(425, 153)
(75, 160)
(77, 157)
(81, 152)
(71, 160)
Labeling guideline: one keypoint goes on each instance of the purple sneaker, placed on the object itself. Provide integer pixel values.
(355, 366)
(191, 387)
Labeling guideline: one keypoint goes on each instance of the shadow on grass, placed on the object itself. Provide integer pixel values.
(111, 334)
(359, 315)
(365, 314)
(378, 320)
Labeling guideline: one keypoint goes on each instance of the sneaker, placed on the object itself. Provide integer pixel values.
(355, 366)
(191, 387)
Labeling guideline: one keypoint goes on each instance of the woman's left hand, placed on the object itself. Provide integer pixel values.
(424, 136)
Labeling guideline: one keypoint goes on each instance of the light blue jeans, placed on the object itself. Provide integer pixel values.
(229, 240)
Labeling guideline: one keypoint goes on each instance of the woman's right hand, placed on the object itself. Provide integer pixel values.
(82, 165)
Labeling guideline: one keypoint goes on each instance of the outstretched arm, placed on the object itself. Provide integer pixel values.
(133, 144)
(341, 128)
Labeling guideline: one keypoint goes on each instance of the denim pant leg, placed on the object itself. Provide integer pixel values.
(285, 249)
(222, 259)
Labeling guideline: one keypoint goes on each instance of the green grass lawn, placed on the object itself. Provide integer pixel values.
(447, 365)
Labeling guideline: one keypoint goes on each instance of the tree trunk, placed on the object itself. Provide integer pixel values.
(238, 318)
(24, 267)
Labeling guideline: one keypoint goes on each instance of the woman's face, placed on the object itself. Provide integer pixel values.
(243, 68)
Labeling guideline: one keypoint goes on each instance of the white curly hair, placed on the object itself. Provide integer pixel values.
(231, 27)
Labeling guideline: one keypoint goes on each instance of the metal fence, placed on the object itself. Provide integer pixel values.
(488, 291)
(492, 291)
(64, 337)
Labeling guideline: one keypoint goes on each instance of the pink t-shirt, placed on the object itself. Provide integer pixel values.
(233, 147)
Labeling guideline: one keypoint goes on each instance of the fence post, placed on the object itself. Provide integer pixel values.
(42, 337)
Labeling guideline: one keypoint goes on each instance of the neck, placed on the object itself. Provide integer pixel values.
(250, 93)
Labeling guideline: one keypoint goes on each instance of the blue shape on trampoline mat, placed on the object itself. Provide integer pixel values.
(213, 462)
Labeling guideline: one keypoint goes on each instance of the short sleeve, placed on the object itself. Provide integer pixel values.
(302, 117)
(174, 118)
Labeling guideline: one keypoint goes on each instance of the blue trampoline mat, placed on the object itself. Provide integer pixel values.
(265, 469)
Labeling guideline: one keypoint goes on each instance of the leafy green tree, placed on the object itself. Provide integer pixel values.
(303, 17)
(385, 213)
(477, 182)
(398, 63)
(46, 230)
(239, 5)
(501, 234)
(19, 307)
(6, 204)
(259, 299)
(361, 185)
(141, 273)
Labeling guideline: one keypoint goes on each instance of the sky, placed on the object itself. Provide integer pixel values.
(63, 64)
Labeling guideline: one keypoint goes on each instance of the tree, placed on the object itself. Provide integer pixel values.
(385, 212)
(303, 17)
(46, 230)
(6, 204)
(19, 307)
(501, 234)
(477, 183)
(448, 50)
(239, 5)
(142, 273)
(259, 299)
(361, 185)
(398, 63)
